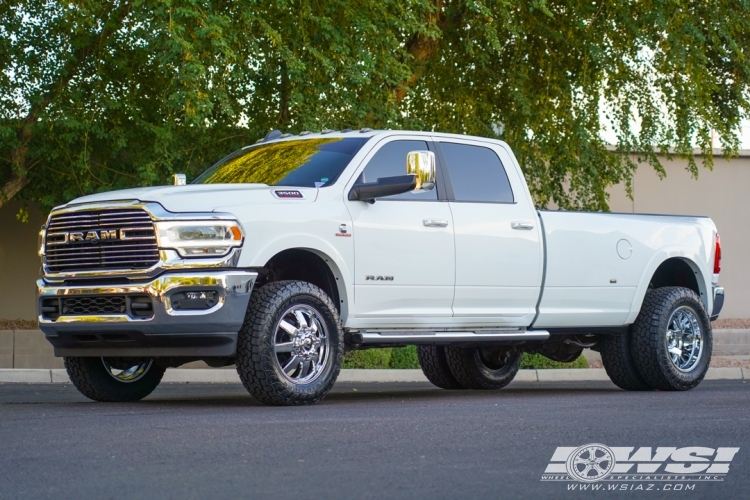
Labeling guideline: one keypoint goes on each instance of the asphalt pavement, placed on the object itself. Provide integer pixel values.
(365, 440)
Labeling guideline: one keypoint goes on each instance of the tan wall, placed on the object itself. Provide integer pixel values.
(723, 194)
(19, 262)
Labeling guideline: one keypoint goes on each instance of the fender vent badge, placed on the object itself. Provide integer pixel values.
(288, 193)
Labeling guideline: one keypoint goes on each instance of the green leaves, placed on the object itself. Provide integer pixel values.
(96, 96)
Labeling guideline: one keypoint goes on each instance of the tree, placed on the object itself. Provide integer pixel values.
(97, 95)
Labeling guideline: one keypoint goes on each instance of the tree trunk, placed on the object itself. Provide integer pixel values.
(20, 177)
(421, 48)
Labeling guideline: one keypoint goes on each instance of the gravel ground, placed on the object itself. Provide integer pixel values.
(732, 324)
(730, 362)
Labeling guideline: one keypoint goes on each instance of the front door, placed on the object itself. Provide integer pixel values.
(403, 248)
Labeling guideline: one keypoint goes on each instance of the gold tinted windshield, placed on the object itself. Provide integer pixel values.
(302, 163)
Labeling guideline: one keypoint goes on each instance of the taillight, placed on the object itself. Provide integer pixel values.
(717, 256)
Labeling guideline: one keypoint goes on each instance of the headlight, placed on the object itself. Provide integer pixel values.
(200, 239)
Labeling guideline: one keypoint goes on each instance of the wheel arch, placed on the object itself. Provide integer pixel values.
(672, 269)
(313, 266)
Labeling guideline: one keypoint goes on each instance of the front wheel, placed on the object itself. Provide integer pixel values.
(483, 367)
(114, 380)
(291, 346)
(672, 339)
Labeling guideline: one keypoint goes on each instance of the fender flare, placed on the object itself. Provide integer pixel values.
(657, 260)
(318, 246)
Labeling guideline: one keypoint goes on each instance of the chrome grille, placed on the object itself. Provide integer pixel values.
(133, 247)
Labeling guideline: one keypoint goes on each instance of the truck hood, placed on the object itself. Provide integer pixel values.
(203, 197)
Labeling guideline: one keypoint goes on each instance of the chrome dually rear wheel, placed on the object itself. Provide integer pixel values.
(671, 340)
(684, 339)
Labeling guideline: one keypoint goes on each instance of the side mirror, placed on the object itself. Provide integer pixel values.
(179, 179)
(420, 168)
(385, 186)
(421, 164)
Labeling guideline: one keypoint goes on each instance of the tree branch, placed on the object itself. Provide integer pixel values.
(18, 155)
(12, 187)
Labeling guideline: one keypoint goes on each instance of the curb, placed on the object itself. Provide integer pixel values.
(229, 376)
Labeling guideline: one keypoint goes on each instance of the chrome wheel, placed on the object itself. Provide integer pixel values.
(128, 374)
(684, 339)
(301, 345)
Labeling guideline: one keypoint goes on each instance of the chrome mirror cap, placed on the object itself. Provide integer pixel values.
(422, 165)
(179, 179)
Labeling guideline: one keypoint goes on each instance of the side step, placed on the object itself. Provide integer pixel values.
(419, 337)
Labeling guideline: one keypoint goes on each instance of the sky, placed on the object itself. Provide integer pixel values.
(745, 139)
(610, 138)
(744, 136)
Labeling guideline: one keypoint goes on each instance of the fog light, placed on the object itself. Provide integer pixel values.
(205, 299)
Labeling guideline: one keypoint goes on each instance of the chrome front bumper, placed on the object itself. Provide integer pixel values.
(167, 332)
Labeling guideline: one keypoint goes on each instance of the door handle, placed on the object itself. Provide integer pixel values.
(435, 223)
(522, 225)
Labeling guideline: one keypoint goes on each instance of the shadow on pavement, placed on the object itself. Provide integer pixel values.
(234, 395)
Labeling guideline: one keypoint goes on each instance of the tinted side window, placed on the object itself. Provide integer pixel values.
(390, 161)
(476, 174)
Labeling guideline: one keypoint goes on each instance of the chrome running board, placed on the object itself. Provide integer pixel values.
(419, 337)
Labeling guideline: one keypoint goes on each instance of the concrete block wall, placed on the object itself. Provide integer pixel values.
(6, 348)
(26, 349)
(731, 343)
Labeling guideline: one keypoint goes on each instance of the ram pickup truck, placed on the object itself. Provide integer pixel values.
(287, 253)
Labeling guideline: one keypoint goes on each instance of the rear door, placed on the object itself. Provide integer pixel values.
(499, 253)
(403, 247)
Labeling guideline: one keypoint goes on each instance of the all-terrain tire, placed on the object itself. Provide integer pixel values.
(434, 364)
(257, 362)
(94, 381)
(617, 359)
(483, 368)
(649, 339)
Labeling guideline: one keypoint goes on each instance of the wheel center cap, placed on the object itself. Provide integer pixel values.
(306, 344)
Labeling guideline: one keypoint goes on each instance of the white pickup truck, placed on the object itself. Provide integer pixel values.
(288, 252)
